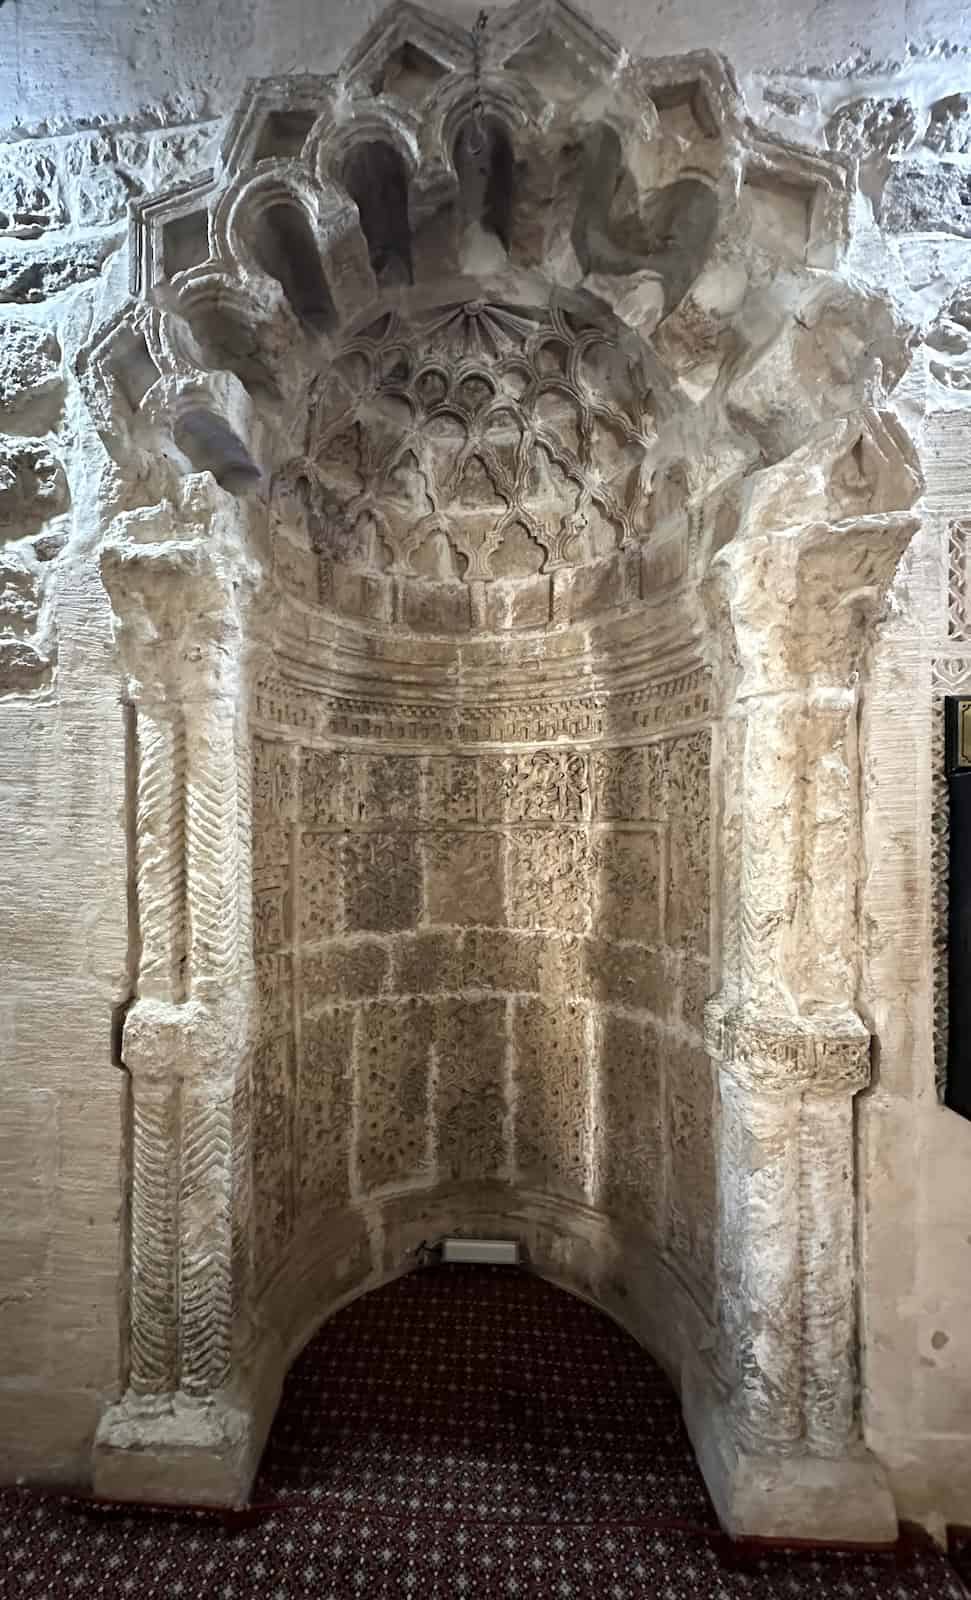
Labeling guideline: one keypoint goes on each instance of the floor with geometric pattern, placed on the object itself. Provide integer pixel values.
(462, 1432)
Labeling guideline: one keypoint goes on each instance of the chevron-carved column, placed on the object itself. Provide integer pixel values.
(160, 849)
(161, 908)
(190, 891)
(773, 1416)
(187, 1034)
(207, 1124)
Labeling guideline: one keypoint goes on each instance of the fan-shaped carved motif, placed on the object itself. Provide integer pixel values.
(480, 421)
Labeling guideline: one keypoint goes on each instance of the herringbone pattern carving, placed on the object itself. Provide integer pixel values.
(205, 1225)
(161, 865)
(213, 853)
(244, 833)
(153, 1307)
(242, 1185)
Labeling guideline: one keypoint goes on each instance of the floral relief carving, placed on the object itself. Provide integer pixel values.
(632, 1116)
(394, 1063)
(323, 1117)
(273, 1104)
(552, 1120)
(470, 1108)
(546, 786)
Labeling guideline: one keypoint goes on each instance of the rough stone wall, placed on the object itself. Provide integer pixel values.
(172, 68)
(484, 966)
(65, 939)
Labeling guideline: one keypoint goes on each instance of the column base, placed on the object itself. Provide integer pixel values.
(173, 1450)
(839, 1500)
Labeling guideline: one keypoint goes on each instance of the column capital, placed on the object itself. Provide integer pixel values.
(180, 576)
(165, 1041)
(789, 1055)
(797, 602)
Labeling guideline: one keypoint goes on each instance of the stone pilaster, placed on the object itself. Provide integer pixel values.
(187, 1036)
(774, 1416)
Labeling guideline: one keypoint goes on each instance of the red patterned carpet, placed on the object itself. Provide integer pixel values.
(463, 1432)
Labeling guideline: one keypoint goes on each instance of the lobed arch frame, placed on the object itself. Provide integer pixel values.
(728, 592)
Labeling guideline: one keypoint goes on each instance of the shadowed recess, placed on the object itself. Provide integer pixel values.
(286, 248)
(484, 163)
(212, 446)
(668, 231)
(377, 181)
(462, 1432)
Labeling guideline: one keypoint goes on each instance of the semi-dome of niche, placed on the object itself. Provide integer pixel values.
(498, 324)
(470, 445)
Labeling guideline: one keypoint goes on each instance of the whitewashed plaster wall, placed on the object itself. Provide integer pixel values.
(71, 61)
(160, 75)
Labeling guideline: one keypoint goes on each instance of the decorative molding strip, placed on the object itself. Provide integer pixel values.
(940, 874)
(950, 674)
(622, 713)
(958, 588)
(785, 1055)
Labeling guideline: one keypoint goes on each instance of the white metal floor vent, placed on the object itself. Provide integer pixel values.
(486, 1252)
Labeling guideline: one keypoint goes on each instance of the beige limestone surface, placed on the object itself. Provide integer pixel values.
(470, 726)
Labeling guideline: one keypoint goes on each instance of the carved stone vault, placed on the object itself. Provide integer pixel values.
(503, 499)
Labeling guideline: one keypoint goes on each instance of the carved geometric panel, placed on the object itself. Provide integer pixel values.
(273, 1109)
(470, 1048)
(464, 877)
(548, 877)
(629, 783)
(320, 885)
(689, 760)
(382, 882)
(324, 1110)
(393, 1070)
(628, 894)
(552, 1108)
(343, 969)
(632, 1137)
(451, 790)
